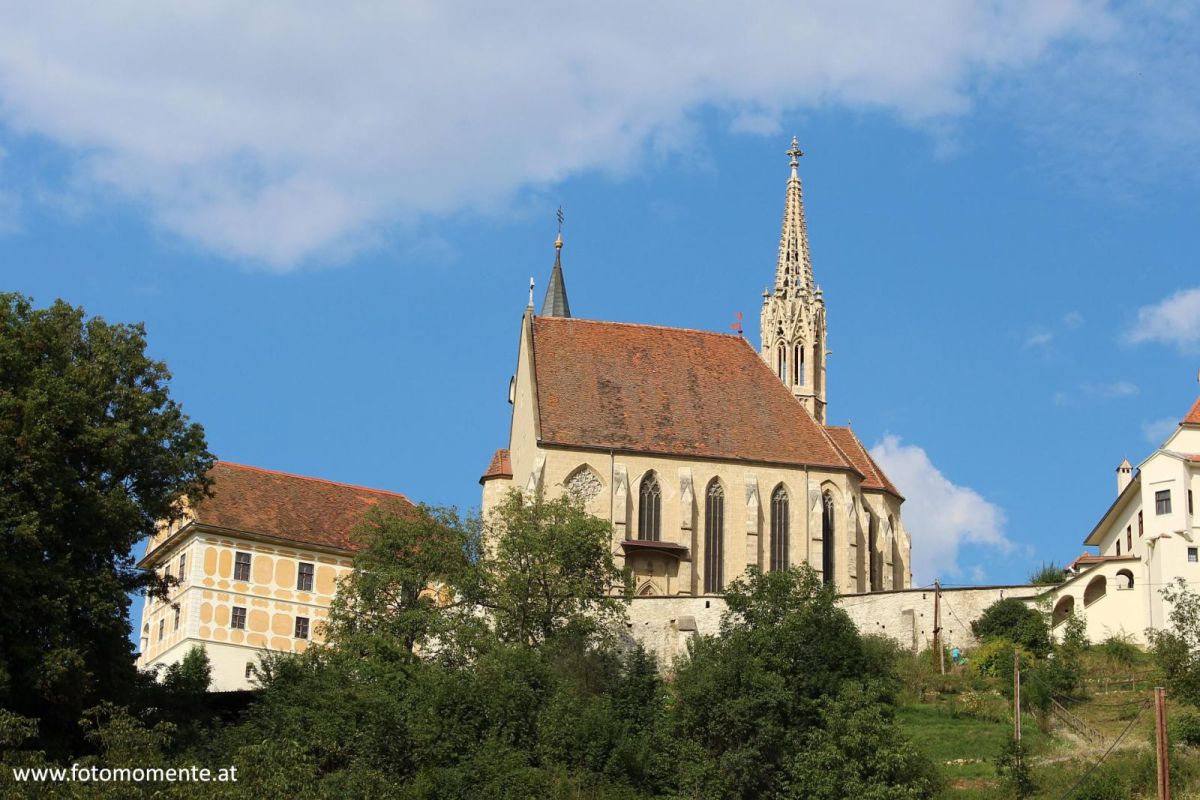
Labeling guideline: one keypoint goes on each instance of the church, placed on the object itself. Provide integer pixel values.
(707, 455)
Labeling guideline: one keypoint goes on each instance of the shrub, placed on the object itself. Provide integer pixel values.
(986, 706)
(1012, 765)
(1103, 785)
(1185, 729)
(1048, 573)
(1011, 619)
(1120, 650)
(995, 658)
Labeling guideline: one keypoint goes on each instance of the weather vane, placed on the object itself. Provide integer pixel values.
(737, 323)
(560, 220)
(531, 291)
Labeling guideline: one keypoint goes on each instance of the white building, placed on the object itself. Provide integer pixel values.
(1147, 538)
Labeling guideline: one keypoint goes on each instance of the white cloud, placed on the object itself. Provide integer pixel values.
(1109, 391)
(1072, 320)
(1039, 338)
(1156, 432)
(940, 516)
(279, 131)
(1175, 320)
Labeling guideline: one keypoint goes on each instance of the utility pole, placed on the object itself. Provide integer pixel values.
(937, 625)
(1160, 735)
(1017, 695)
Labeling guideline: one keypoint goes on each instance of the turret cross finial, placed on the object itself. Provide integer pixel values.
(795, 152)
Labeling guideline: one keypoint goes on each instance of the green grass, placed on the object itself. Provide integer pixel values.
(944, 737)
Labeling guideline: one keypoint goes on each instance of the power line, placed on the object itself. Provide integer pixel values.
(1084, 776)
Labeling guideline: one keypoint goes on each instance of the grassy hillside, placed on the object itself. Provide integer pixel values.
(962, 721)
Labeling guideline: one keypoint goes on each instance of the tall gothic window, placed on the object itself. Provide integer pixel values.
(873, 565)
(779, 528)
(827, 518)
(799, 362)
(650, 509)
(714, 537)
(782, 363)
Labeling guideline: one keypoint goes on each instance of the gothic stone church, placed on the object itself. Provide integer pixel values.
(707, 456)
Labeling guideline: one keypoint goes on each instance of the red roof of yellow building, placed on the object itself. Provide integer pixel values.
(292, 507)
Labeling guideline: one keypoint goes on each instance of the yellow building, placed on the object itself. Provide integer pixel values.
(707, 455)
(257, 565)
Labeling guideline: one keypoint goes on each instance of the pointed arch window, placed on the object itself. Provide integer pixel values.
(799, 362)
(782, 358)
(827, 542)
(714, 537)
(873, 560)
(779, 528)
(650, 509)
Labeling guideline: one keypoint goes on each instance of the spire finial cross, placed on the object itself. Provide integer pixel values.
(560, 216)
(795, 152)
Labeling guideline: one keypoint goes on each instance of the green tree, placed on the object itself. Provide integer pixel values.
(410, 569)
(1177, 647)
(94, 454)
(547, 567)
(751, 702)
(856, 752)
(191, 675)
(1013, 620)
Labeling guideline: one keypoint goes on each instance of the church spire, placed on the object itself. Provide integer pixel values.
(555, 304)
(793, 271)
(793, 316)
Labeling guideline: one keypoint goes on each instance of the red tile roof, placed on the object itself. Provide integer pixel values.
(856, 454)
(669, 391)
(1091, 558)
(304, 510)
(1193, 416)
(501, 466)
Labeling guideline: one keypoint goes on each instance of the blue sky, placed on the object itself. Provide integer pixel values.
(328, 229)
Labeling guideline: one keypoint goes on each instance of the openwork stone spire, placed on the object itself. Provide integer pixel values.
(555, 304)
(793, 316)
(793, 272)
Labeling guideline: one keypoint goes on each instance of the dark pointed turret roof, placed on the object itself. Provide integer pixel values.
(555, 304)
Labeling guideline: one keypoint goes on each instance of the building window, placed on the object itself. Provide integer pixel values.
(162, 625)
(238, 618)
(176, 619)
(304, 577)
(828, 561)
(301, 627)
(1192, 557)
(1141, 525)
(799, 365)
(1162, 502)
(1128, 538)
(650, 509)
(182, 565)
(241, 567)
(249, 670)
(783, 363)
(714, 537)
(779, 528)
(1118, 546)
(1190, 511)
